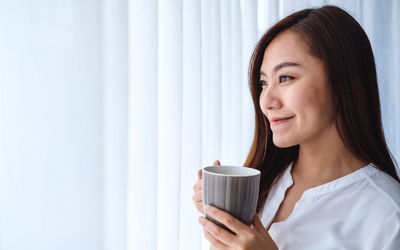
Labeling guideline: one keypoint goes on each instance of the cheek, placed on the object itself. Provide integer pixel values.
(314, 103)
(301, 99)
(261, 103)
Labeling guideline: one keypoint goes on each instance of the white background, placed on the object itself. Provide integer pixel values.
(109, 108)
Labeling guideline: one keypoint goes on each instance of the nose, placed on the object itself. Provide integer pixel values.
(270, 98)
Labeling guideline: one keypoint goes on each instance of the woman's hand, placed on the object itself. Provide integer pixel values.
(246, 237)
(197, 197)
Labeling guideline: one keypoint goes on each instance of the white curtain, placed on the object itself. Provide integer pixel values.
(189, 112)
(108, 109)
(51, 129)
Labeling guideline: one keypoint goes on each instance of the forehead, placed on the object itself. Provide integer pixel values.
(287, 46)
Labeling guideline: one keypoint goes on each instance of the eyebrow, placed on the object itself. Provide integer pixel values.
(280, 66)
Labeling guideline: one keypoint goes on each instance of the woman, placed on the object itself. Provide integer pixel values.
(328, 180)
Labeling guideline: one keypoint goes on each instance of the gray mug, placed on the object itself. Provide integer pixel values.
(232, 189)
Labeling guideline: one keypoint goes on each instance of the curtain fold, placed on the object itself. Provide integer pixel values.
(211, 81)
(169, 113)
(395, 83)
(249, 38)
(234, 89)
(115, 120)
(142, 190)
(191, 150)
(227, 80)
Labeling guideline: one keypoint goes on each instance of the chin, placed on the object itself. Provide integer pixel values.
(283, 142)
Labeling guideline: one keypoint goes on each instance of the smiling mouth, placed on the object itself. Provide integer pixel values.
(279, 121)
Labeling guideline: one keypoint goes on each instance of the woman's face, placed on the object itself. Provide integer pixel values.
(295, 93)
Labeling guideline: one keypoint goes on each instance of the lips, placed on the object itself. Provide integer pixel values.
(279, 120)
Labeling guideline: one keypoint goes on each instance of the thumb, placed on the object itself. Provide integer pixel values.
(217, 163)
(258, 226)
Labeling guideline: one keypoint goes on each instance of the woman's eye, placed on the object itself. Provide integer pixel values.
(263, 83)
(285, 78)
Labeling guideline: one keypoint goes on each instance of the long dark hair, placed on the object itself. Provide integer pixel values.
(339, 41)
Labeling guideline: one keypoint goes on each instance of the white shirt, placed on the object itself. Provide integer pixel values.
(358, 211)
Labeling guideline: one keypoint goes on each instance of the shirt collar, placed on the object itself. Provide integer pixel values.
(319, 190)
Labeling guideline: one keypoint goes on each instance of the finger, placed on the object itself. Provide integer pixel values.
(258, 226)
(228, 220)
(199, 207)
(199, 174)
(197, 197)
(217, 163)
(215, 244)
(197, 187)
(217, 232)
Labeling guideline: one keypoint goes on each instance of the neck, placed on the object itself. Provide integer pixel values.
(324, 159)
